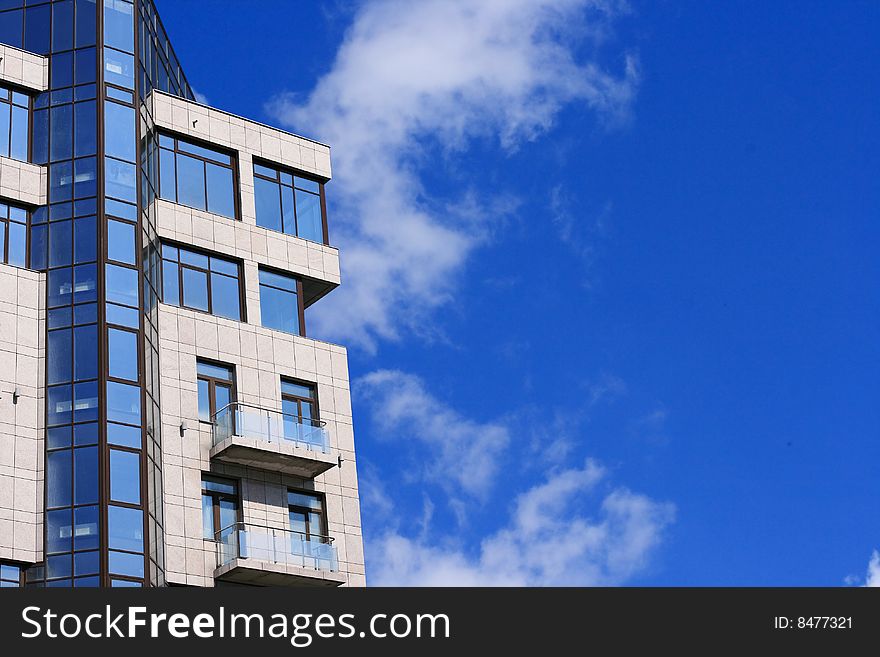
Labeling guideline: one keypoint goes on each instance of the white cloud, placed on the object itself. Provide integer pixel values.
(551, 539)
(463, 454)
(414, 77)
(873, 577)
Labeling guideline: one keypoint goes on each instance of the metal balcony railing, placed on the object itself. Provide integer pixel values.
(282, 546)
(250, 421)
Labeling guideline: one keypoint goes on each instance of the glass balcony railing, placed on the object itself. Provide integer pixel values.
(249, 421)
(281, 546)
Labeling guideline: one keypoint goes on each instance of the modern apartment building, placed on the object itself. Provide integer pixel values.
(164, 418)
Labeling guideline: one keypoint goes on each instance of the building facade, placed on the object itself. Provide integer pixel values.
(164, 418)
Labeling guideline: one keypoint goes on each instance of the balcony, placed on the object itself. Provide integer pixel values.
(256, 437)
(266, 556)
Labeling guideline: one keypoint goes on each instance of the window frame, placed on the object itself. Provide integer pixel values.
(279, 169)
(242, 306)
(300, 302)
(233, 166)
(324, 534)
(216, 497)
(5, 221)
(213, 381)
(21, 571)
(287, 396)
(11, 89)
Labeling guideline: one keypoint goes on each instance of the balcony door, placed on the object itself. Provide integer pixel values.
(299, 406)
(216, 393)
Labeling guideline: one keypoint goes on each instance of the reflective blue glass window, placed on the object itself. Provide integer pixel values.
(279, 302)
(123, 563)
(126, 529)
(13, 235)
(62, 26)
(119, 25)
(122, 285)
(59, 404)
(85, 522)
(59, 483)
(125, 436)
(122, 354)
(118, 68)
(86, 23)
(58, 531)
(58, 354)
(11, 27)
(85, 242)
(288, 203)
(195, 280)
(121, 180)
(125, 478)
(123, 403)
(85, 475)
(196, 176)
(120, 241)
(85, 128)
(36, 35)
(14, 124)
(85, 352)
(119, 131)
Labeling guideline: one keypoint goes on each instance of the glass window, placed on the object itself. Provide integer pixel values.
(125, 477)
(126, 529)
(306, 515)
(58, 354)
(219, 506)
(280, 306)
(85, 475)
(216, 385)
(195, 280)
(122, 285)
(120, 241)
(11, 27)
(123, 403)
(85, 241)
(122, 354)
(84, 128)
(125, 436)
(119, 131)
(36, 35)
(85, 524)
(128, 565)
(196, 176)
(58, 478)
(62, 26)
(14, 124)
(10, 576)
(86, 18)
(118, 68)
(120, 180)
(119, 25)
(85, 352)
(13, 235)
(288, 203)
(58, 531)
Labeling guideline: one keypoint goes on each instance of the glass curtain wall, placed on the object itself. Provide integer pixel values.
(103, 521)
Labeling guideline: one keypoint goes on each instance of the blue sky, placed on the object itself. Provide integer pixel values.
(610, 277)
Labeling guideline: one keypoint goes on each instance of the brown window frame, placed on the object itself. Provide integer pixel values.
(217, 496)
(323, 534)
(242, 306)
(300, 297)
(233, 166)
(279, 169)
(286, 396)
(212, 382)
